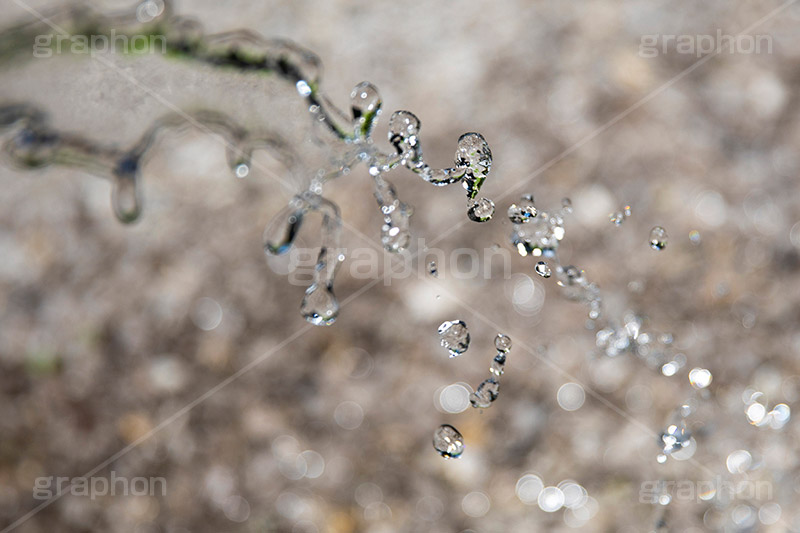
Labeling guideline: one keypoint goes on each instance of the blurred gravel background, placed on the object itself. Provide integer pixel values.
(107, 331)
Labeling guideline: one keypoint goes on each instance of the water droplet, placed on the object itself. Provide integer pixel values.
(125, 198)
(481, 211)
(320, 306)
(619, 217)
(433, 270)
(502, 343)
(521, 214)
(454, 335)
(694, 237)
(303, 89)
(498, 364)
(543, 269)
(551, 499)
(448, 441)
(487, 393)
(675, 437)
(475, 158)
(566, 205)
(658, 238)
(365, 102)
(280, 232)
(700, 378)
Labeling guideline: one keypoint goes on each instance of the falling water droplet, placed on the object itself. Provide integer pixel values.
(566, 205)
(481, 211)
(125, 194)
(675, 437)
(502, 343)
(543, 269)
(433, 270)
(700, 378)
(454, 335)
(280, 232)
(658, 238)
(320, 306)
(521, 214)
(487, 393)
(448, 441)
(498, 364)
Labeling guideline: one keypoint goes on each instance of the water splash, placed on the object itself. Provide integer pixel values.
(30, 143)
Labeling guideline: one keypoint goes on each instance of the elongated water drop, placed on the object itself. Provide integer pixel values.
(125, 195)
(365, 104)
(448, 441)
(658, 238)
(481, 211)
(543, 269)
(454, 335)
(474, 156)
(502, 343)
(498, 365)
(281, 231)
(320, 306)
(486, 393)
(433, 270)
(520, 214)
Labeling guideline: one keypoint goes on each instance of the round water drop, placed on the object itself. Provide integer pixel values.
(566, 205)
(658, 238)
(448, 441)
(521, 214)
(543, 269)
(694, 237)
(487, 393)
(365, 99)
(481, 211)
(404, 124)
(570, 396)
(700, 378)
(320, 306)
(502, 343)
(551, 499)
(454, 335)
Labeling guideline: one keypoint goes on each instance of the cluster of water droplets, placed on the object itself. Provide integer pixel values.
(486, 393)
(28, 140)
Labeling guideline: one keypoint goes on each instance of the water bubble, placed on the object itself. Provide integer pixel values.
(694, 237)
(487, 393)
(528, 488)
(476, 504)
(543, 269)
(700, 378)
(551, 499)
(481, 211)
(348, 415)
(502, 343)
(454, 335)
(448, 441)
(320, 306)
(521, 214)
(433, 270)
(242, 170)
(498, 364)
(658, 238)
(570, 396)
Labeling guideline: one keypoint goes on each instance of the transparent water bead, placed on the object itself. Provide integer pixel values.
(320, 306)
(481, 211)
(675, 437)
(619, 217)
(475, 158)
(502, 343)
(658, 238)
(448, 441)
(520, 214)
(700, 378)
(433, 270)
(487, 393)
(543, 269)
(454, 335)
(540, 236)
(498, 364)
(566, 205)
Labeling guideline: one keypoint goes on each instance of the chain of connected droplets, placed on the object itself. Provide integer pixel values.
(31, 143)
